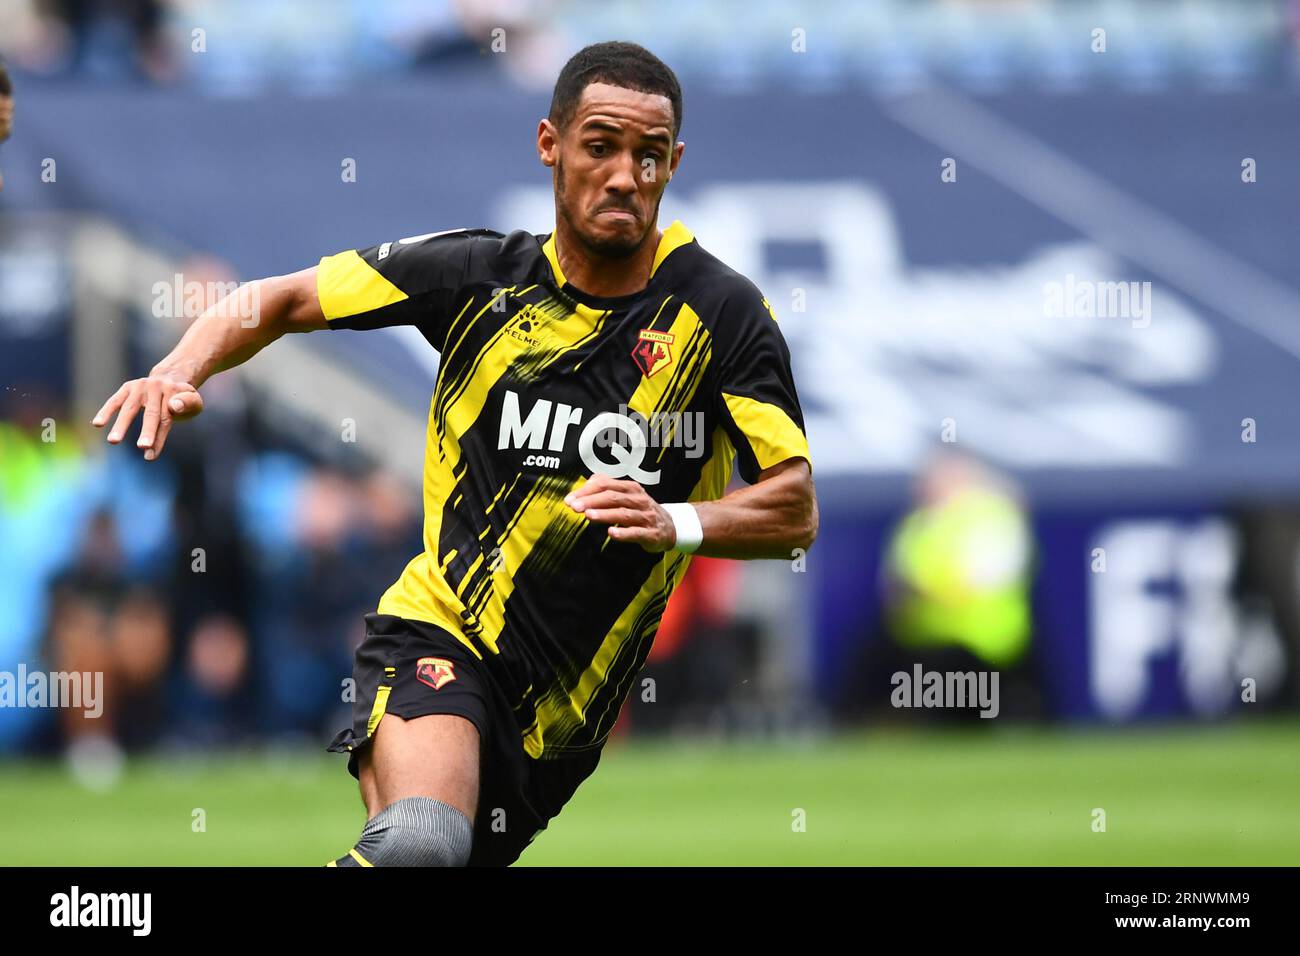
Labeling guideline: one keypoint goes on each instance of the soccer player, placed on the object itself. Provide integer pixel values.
(596, 386)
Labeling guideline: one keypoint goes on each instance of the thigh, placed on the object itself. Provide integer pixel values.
(432, 756)
(419, 717)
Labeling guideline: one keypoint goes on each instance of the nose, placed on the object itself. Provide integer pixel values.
(622, 180)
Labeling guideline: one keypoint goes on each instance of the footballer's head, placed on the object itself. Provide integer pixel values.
(611, 142)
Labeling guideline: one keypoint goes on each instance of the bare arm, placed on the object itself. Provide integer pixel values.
(229, 333)
(768, 519)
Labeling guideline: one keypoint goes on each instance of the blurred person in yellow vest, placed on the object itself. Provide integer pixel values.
(959, 565)
(956, 609)
(31, 460)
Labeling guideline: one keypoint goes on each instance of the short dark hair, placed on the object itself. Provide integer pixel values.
(6, 87)
(617, 63)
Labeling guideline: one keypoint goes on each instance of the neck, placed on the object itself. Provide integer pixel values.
(602, 275)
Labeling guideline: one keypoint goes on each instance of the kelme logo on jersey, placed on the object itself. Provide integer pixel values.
(435, 671)
(653, 351)
(609, 444)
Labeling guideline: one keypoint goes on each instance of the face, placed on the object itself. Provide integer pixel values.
(610, 166)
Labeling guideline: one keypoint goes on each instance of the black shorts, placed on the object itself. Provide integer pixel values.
(413, 669)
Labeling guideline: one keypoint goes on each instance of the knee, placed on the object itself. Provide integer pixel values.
(417, 831)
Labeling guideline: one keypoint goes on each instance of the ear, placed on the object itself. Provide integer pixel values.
(676, 158)
(548, 142)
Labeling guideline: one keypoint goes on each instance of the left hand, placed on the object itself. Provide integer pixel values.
(628, 509)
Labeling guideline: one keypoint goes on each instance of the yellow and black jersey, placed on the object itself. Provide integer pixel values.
(540, 386)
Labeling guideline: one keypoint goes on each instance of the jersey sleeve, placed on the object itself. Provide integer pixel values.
(758, 402)
(408, 282)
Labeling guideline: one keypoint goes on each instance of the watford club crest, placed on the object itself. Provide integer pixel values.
(653, 351)
(435, 671)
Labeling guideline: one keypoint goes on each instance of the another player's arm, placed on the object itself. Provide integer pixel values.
(768, 519)
(227, 334)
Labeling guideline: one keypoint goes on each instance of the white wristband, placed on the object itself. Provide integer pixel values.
(687, 522)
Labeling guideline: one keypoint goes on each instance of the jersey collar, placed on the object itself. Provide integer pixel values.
(674, 237)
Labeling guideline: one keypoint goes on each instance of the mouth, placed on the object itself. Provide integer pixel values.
(617, 215)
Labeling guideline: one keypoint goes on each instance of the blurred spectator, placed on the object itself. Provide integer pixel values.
(957, 584)
(959, 565)
(214, 704)
(106, 40)
(102, 623)
(351, 537)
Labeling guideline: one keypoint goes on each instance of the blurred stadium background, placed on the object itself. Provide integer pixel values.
(1101, 502)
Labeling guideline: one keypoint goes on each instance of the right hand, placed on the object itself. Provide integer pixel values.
(165, 398)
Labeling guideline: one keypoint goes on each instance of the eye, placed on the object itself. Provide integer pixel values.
(598, 149)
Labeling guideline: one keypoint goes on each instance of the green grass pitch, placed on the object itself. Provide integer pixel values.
(1186, 796)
